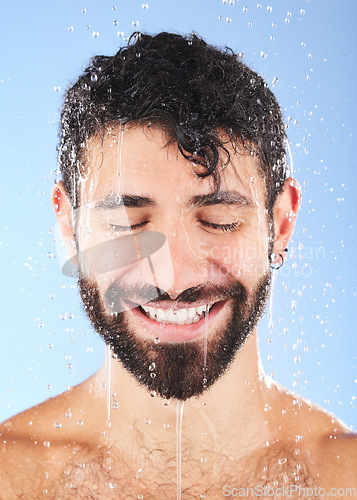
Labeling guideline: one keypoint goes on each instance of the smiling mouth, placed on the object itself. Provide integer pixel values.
(173, 323)
(181, 316)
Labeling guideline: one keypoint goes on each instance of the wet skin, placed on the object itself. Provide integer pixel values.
(242, 432)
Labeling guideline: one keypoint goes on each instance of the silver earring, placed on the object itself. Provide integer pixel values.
(277, 260)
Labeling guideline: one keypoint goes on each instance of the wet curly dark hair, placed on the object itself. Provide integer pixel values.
(193, 90)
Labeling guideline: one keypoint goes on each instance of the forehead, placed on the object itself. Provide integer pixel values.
(141, 160)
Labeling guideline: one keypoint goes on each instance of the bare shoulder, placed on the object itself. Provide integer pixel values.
(36, 445)
(22, 464)
(326, 445)
(338, 457)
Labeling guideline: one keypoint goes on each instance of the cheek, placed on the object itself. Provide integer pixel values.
(253, 259)
(243, 259)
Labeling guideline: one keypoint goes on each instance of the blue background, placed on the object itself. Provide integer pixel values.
(47, 344)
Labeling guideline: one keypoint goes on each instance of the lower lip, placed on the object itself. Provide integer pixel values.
(178, 333)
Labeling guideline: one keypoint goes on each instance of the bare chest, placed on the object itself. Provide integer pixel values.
(104, 478)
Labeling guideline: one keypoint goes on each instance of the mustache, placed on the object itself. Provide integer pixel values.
(144, 292)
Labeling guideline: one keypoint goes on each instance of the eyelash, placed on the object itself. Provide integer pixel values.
(234, 226)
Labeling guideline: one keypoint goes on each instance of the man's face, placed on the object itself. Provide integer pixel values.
(173, 276)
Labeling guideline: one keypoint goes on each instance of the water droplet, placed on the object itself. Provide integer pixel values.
(139, 473)
(275, 80)
(259, 6)
(282, 461)
(147, 421)
(263, 54)
(269, 9)
(68, 414)
(115, 23)
(152, 375)
(152, 367)
(57, 88)
(84, 11)
(145, 6)
(70, 28)
(157, 340)
(228, 20)
(245, 9)
(95, 34)
(47, 444)
(135, 23)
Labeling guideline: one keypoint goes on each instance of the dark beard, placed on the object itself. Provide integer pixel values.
(176, 370)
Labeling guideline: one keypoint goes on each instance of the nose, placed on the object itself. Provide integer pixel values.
(178, 265)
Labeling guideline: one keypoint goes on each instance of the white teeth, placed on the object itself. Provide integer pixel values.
(176, 317)
(191, 312)
(160, 314)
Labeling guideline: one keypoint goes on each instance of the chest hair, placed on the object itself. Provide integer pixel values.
(100, 477)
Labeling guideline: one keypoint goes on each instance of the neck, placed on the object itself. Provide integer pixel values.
(220, 419)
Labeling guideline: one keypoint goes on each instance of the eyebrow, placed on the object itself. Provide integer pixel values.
(129, 201)
(219, 198)
(198, 201)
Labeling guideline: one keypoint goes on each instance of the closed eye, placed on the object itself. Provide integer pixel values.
(234, 226)
(120, 229)
(225, 228)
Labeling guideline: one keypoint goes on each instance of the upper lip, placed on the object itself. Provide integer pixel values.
(173, 305)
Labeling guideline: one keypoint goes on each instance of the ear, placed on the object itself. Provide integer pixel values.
(285, 211)
(63, 211)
